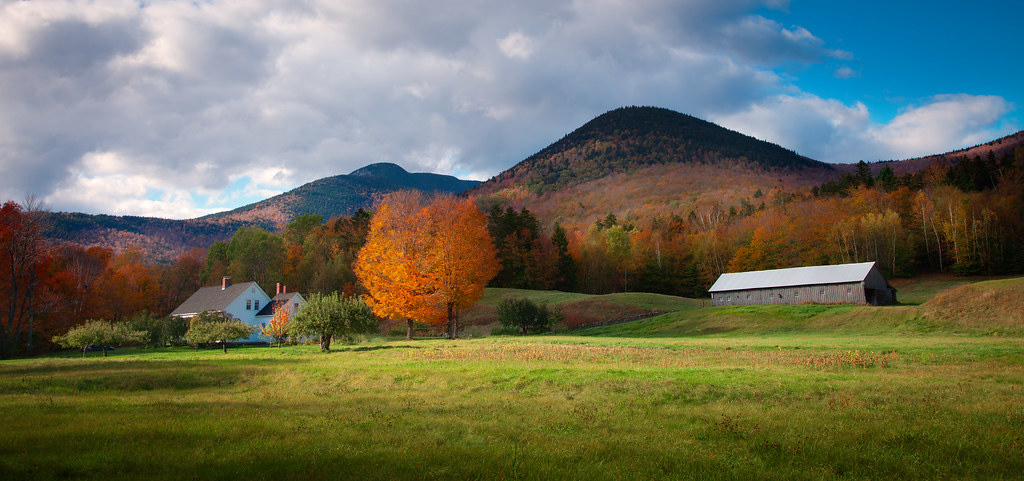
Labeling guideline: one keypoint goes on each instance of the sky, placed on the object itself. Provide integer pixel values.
(179, 109)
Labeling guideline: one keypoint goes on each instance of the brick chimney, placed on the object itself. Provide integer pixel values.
(278, 288)
(225, 282)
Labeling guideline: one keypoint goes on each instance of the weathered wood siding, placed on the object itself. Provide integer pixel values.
(848, 293)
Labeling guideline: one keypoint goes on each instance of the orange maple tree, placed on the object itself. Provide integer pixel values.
(277, 329)
(424, 261)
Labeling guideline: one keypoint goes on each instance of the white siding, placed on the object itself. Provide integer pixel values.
(237, 309)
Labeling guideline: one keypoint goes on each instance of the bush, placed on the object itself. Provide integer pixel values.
(161, 331)
(526, 316)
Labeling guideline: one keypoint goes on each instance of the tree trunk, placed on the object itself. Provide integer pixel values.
(408, 329)
(325, 342)
(451, 320)
(104, 349)
(83, 350)
(224, 344)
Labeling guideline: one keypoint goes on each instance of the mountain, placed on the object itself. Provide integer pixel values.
(165, 239)
(644, 162)
(340, 194)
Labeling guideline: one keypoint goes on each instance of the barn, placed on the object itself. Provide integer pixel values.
(860, 283)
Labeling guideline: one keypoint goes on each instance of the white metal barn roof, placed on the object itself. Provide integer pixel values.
(796, 276)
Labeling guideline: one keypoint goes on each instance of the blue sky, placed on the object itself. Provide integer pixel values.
(904, 52)
(180, 108)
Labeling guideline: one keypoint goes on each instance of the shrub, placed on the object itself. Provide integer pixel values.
(526, 316)
(161, 331)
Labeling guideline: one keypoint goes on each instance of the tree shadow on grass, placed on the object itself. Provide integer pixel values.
(135, 375)
(373, 348)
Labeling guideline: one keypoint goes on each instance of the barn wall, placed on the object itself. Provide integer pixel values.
(848, 293)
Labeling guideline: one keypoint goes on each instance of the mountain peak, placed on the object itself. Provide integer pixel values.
(630, 138)
(381, 169)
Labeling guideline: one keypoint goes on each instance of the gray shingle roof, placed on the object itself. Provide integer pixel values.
(278, 300)
(796, 276)
(211, 298)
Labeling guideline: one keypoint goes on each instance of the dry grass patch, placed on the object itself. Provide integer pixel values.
(991, 306)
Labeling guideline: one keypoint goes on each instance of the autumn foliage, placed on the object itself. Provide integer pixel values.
(425, 260)
(277, 329)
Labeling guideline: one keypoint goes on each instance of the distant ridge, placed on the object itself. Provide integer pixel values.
(165, 239)
(628, 138)
(1006, 145)
(340, 195)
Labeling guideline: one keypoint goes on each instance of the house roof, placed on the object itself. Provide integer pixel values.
(212, 298)
(279, 300)
(796, 276)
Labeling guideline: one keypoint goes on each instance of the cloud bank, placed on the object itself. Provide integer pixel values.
(179, 108)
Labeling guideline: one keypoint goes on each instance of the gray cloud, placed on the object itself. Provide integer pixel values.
(180, 108)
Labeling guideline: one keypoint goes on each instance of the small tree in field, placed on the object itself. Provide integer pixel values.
(100, 333)
(210, 327)
(523, 314)
(277, 330)
(330, 315)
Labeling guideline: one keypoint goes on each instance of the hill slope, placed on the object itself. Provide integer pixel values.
(642, 161)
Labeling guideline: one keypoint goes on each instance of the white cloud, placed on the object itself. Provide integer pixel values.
(517, 45)
(830, 131)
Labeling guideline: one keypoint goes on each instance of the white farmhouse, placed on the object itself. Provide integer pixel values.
(242, 301)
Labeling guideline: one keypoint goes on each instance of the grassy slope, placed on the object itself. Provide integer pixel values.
(813, 393)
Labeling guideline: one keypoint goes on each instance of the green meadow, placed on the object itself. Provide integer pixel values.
(772, 392)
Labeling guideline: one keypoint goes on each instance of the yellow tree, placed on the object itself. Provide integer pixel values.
(461, 255)
(423, 260)
(278, 327)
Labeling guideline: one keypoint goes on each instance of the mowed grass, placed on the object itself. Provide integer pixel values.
(790, 392)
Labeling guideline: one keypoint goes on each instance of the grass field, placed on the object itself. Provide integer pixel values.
(792, 392)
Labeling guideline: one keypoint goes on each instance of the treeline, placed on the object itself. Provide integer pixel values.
(964, 218)
(47, 287)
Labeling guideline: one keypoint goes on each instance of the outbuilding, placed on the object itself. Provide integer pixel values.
(860, 283)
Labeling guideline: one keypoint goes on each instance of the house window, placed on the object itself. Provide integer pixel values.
(296, 306)
(257, 307)
(849, 291)
(796, 294)
(248, 304)
(822, 293)
(748, 297)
